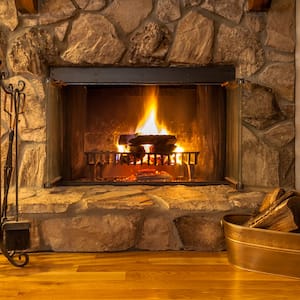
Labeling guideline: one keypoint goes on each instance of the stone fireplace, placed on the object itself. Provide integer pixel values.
(49, 50)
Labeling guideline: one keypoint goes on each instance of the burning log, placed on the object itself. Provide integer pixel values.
(153, 140)
(280, 211)
(164, 144)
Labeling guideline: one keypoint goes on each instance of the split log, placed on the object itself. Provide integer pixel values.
(271, 198)
(280, 213)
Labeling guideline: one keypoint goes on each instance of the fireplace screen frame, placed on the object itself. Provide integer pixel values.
(209, 75)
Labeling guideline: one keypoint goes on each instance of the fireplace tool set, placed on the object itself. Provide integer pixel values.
(14, 233)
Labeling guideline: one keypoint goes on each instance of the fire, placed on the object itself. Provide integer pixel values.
(149, 124)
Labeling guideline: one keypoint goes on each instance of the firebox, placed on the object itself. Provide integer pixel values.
(139, 125)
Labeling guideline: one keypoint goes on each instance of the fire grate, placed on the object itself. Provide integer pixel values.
(154, 159)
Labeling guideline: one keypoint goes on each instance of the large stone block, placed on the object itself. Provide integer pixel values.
(110, 232)
(280, 26)
(193, 40)
(99, 45)
(201, 233)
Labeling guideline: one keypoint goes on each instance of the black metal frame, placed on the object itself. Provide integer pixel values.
(14, 234)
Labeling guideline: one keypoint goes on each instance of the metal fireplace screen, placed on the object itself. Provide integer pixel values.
(102, 112)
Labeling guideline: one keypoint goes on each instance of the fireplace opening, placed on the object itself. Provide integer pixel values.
(139, 133)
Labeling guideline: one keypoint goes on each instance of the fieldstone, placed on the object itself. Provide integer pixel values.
(32, 52)
(193, 40)
(187, 3)
(150, 45)
(168, 10)
(287, 108)
(60, 31)
(247, 202)
(32, 165)
(2, 57)
(58, 200)
(159, 233)
(259, 108)
(260, 162)
(52, 11)
(128, 14)
(255, 22)
(8, 14)
(280, 134)
(125, 199)
(287, 166)
(281, 25)
(91, 4)
(32, 123)
(229, 9)
(239, 46)
(201, 233)
(111, 232)
(275, 56)
(193, 198)
(281, 78)
(99, 45)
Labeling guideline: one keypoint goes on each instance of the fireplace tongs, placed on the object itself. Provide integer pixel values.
(14, 234)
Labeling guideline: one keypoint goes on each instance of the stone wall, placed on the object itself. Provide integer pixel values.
(161, 33)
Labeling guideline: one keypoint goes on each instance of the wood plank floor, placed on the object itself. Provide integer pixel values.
(139, 275)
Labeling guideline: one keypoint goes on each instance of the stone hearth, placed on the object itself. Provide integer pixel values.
(114, 218)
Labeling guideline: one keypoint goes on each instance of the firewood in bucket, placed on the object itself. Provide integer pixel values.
(280, 213)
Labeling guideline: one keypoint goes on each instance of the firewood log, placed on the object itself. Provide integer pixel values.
(270, 198)
(282, 213)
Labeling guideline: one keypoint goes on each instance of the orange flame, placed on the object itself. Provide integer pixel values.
(149, 124)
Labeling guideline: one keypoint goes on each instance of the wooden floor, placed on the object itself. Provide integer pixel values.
(139, 275)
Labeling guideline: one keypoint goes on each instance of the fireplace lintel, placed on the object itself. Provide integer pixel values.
(215, 74)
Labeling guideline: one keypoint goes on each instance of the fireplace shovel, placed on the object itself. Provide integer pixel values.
(14, 234)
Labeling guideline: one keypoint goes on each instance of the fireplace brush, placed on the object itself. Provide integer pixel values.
(14, 234)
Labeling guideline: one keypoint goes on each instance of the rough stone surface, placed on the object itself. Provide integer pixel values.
(128, 14)
(280, 134)
(55, 10)
(239, 46)
(150, 45)
(201, 233)
(255, 23)
(111, 232)
(32, 168)
(100, 44)
(60, 31)
(168, 10)
(229, 9)
(187, 3)
(159, 233)
(275, 56)
(260, 162)
(281, 25)
(281, 78)
(259, 107)
(111, 218)
(91, 4)
(32, 52)
(287, 165)
(8, 14)
(193, 40)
